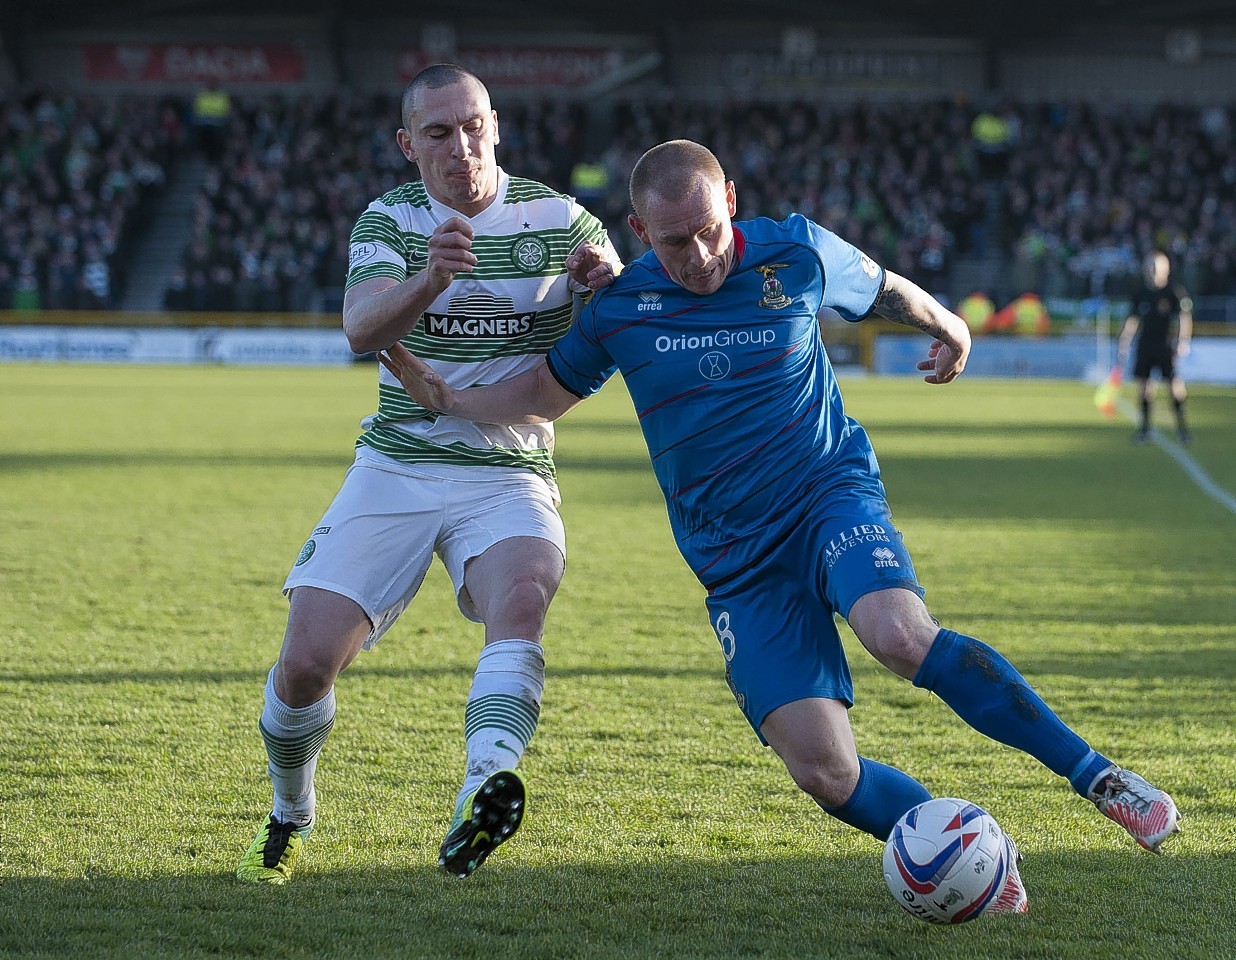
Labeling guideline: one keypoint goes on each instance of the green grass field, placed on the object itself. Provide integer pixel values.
(148, 516)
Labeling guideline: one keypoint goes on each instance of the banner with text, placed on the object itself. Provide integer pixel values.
(200, 63)
(122, 345)
(526, 66)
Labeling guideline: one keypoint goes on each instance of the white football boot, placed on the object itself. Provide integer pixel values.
(1148, 813)
(1012, 898)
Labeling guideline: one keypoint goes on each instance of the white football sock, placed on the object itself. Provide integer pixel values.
(504, 705)
(294, 738)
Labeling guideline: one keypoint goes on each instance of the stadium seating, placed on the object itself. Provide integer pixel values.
(1089, 191)
(271, 225)
(1076, 197)
(77, 176)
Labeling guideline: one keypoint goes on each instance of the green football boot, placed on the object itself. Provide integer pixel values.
(273, 852)
(486, 819)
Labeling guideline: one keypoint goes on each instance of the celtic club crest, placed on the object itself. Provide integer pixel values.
(530, 254)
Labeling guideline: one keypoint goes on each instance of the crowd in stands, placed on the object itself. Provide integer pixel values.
(898, 181)
(271, 225)
(77, 177)
(1072, 196)
(1089, 191)
(272, 222)
(290, 176)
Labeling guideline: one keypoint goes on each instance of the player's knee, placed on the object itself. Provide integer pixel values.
(522, 606)
(900, 644)
(307, 676)
(828, 780)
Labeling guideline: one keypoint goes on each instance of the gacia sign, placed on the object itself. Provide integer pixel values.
(199, 63)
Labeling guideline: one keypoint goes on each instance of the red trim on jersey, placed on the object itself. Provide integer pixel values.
(781, 356)
(636, 323)
(678, 396)
(704, 569)
(746, 456)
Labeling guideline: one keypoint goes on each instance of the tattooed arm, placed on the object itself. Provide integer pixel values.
(904, 302)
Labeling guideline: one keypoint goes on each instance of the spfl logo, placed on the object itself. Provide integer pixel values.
(360, 253)
(885, 557)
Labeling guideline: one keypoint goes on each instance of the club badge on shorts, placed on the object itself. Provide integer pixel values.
(305, 552)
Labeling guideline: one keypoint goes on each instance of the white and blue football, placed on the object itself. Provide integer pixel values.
(946, 861)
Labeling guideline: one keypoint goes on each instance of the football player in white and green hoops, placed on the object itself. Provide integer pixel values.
(476, 271)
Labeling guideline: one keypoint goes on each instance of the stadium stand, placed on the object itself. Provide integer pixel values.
(896, 180)
(1079, 195)
(1083, 194)
(79, 175)
(213, 157)
(272, 220)
(1090, 190)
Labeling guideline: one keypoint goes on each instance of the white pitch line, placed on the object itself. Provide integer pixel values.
(1178, 453)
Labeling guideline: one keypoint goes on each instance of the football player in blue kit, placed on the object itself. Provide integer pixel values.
(774, 493)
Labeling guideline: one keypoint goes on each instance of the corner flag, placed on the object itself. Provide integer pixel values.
(1107, 391)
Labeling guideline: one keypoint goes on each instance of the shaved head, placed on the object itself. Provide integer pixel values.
(683, 207)
(674, 171)
(1157, 268)
(450, 129)
(434, 77)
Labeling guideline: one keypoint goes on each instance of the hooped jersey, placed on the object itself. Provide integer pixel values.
(488, 325)
(734, 392)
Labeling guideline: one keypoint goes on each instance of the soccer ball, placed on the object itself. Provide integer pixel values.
(946, 860)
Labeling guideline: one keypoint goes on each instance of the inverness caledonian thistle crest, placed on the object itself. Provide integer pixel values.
(774, 294)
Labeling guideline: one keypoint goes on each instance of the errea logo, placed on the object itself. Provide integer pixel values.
(884, 557)
(649, 302)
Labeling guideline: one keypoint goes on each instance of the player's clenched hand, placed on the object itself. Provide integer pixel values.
(450, 250)
(589, 268)
(423, 385)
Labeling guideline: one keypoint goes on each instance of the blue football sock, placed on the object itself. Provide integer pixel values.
(987, 692)
(880, 797)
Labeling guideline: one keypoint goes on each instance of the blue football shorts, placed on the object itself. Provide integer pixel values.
(776, 622)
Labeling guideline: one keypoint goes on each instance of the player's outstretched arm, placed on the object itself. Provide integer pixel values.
(904, 302)
(532, 397)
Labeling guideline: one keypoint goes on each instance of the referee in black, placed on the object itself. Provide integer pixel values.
(1157, 308)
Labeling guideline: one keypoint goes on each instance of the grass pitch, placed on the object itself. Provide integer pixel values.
(148, 516)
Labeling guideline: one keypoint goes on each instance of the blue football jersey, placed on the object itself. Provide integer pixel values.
(734, 392)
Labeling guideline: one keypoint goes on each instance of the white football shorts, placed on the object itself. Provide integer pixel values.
(377, 539)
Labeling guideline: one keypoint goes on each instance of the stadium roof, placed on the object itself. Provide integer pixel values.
(955, 18)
